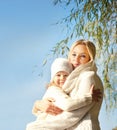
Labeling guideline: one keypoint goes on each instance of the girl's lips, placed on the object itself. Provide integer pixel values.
(62, 82)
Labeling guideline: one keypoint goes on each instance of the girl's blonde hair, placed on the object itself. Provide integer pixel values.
(89, 45)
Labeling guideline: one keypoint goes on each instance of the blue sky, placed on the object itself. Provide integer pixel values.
(26, 37)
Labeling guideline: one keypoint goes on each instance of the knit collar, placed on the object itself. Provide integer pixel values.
(72, 78)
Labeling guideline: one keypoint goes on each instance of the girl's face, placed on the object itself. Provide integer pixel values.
(79, 55)
(60, 78)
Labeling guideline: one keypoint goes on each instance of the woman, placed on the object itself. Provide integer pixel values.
(78, 83)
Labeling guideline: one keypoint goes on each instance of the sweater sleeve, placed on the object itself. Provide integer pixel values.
(65, 102)
(69, 104)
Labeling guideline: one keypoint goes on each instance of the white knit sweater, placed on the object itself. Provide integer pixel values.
(79, 112)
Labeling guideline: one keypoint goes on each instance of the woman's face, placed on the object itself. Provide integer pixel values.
(79, 55)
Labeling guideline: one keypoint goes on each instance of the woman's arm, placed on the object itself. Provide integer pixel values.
(60, 101)
(55, 101)
(47, 106)
(65, 102)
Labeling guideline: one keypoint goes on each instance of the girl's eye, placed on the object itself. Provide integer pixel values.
(66, 75)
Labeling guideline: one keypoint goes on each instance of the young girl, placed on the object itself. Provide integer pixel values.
(60, 70)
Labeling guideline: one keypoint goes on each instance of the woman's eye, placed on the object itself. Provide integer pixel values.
(58, 75)
(73, 54)
(83, 56)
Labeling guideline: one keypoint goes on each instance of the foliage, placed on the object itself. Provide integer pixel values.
(95, 20)
(115, 128)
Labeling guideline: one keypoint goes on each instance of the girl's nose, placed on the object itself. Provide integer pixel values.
(61, 77)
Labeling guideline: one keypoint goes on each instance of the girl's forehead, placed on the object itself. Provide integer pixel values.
(62, 72)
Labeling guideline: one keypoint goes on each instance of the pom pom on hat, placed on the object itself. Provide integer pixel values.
(60, 64)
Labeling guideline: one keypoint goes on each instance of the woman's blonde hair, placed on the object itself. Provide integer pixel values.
(89, 45)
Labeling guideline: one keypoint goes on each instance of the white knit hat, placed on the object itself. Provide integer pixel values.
(60, 64)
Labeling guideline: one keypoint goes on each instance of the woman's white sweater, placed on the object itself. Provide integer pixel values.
(79, 83)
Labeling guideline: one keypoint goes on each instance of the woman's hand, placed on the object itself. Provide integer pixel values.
(96, 94)
(47, 106)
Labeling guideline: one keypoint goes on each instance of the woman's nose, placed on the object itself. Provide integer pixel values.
(77, 58)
